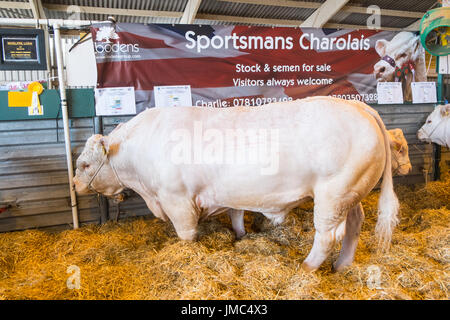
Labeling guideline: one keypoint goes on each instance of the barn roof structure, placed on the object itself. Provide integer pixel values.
(395, 15)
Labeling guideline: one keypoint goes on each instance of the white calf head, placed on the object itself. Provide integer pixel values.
(434, 129)
(399, 152)
(383, 71)
(88, 178)
(404, 47)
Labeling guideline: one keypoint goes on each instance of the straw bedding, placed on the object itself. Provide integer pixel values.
(143, 259)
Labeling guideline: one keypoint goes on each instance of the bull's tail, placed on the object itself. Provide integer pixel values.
(388, 205)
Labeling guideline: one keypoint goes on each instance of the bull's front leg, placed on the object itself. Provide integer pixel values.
(183, 215)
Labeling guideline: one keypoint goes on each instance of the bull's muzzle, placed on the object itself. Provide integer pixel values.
(80, 187)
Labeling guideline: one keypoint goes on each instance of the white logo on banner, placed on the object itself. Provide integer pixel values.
(105, 34)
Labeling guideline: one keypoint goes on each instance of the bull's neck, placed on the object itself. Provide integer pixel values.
(420, 69)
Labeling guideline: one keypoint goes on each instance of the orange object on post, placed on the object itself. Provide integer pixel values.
(24, 99)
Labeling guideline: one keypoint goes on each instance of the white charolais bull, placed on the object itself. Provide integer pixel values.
(403, 52)
(437, 127)
(325, 148)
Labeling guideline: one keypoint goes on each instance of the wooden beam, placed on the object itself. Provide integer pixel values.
(117, 12)
(354, 26)
(384, 12)
(280, 3)
(14, 5)
(37, 9)
(280, 22)
(190, 11)
(316, 5)
(248, 20)
(414, 26)
(326, 11)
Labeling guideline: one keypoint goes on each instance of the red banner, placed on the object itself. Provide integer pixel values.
(242, 65)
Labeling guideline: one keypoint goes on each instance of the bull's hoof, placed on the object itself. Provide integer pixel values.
(190, 235)
(307, 268)
(240, 235)
(340, 267)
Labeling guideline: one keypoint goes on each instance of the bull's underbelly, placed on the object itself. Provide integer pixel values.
(252, 191)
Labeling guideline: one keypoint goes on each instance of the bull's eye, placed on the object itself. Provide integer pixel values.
(84, 166)
(429, 121)
(400, 56)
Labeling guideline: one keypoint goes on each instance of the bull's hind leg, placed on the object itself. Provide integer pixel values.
(237, 221)
(354, 221)
(276, 218)
(329, 218)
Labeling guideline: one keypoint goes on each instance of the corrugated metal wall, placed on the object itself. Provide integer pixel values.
(445, 152)
(33, 174)
(410, 118)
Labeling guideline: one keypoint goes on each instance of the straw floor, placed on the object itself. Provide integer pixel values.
(143, 259)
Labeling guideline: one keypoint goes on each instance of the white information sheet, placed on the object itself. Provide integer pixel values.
(444, 64)
(115, 101)
(389, 92)
(423, 92)
(173, 96)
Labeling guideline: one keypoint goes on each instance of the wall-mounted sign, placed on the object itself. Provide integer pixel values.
(22, 49)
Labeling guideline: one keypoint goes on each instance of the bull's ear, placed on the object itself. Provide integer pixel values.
(398, 133)
(445, 110)
(104, 145)
(380, 47)
(395, 144)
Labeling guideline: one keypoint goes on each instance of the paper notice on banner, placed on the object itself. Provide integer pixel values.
(115, 101)
(423, 92)
(172, 96)
(389, 92)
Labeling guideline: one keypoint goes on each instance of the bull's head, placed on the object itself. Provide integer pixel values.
(434, 128)
(403, 49)
(401, 164)
(94, 170)
(384, 71)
